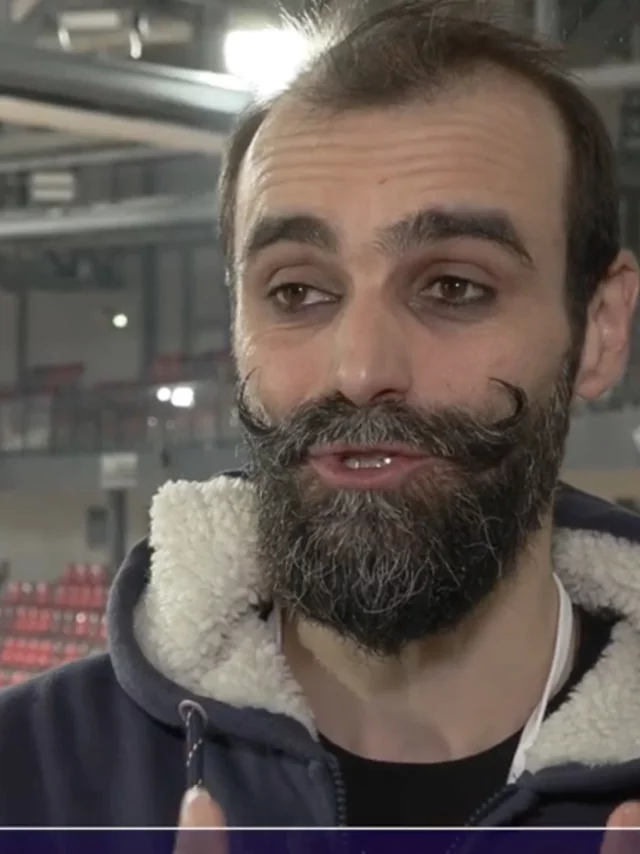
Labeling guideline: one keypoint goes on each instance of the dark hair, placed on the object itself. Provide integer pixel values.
(411, 50)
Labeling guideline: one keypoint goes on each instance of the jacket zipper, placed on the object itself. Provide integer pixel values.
(483, 810)
(341, 806)
(340, 793)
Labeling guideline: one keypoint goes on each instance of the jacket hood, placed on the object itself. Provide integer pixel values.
(185, 623)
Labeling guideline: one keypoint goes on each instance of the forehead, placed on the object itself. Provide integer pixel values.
(491, 142)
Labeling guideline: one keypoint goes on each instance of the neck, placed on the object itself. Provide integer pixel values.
(443, 698)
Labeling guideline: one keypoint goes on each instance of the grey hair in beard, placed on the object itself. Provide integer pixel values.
(386, 568)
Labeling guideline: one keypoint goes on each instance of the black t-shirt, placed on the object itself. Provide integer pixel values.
(447, 794)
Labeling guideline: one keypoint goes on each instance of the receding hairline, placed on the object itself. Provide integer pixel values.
(452, 83)
(464, 80)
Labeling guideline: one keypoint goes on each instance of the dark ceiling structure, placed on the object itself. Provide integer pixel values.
(107, 93)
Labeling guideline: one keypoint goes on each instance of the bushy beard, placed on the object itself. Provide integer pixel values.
(385, 568)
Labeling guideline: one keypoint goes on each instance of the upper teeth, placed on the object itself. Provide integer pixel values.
(367, 462)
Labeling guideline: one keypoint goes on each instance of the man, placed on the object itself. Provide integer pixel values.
(383, 621)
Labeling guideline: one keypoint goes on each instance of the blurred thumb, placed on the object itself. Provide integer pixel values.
(200, 810)
(202, 825)
(622, 836)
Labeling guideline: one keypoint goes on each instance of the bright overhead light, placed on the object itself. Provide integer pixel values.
(120, 321)
(182, 397)
(164, 394)
(266, 59)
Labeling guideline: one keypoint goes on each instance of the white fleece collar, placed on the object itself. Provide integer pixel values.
(197, 622)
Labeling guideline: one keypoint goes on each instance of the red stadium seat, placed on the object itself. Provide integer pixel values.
(12, 593)
(57, 618)
(5, 652)
(44, 620)
(97, 575)
(7, 616)
(71, 652)
(33, 621)
(20, 619)
(27, 593)
(42, 594)
(74, 596)
(68, 622)
(99, 600)
(82, 574)
(44, 655)
(44, 625)
(82, 624)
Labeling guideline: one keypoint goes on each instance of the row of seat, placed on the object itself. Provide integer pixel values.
(13, 677)
(85, 573)
(77, 577)
(43, 625)
(62, 595)
(33, 656)
(46, 621)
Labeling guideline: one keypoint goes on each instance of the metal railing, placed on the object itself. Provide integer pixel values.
(135, 418)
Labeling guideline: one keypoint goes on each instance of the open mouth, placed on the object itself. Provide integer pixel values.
(365, 468)
(367, 461)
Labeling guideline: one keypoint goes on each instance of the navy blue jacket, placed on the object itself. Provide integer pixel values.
(104, 742)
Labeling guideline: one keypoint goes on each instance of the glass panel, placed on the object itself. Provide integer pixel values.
(11, 427)
(130, 417)
(37, 423)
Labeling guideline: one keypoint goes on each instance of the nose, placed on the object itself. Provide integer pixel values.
(370, 359)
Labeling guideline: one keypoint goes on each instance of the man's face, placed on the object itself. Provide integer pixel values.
(402, 332)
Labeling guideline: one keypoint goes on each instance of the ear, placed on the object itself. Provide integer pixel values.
(606, 345)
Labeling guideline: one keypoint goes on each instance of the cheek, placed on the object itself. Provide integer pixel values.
(526, 350)
(282, 373)
(455, 370)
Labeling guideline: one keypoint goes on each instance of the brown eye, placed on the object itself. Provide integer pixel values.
(458, 291)
(295, 296)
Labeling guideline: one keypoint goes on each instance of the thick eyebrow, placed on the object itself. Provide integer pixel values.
(414, 231)
(297, 228)
(434, 224)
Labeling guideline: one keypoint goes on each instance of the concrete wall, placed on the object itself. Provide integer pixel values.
(43, 505)
(40, 533)
(76, 327)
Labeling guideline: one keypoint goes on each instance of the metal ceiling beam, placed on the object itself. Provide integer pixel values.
(96, 156)
(546, 19)
(127, 101)
(39, 142)
(196, 99)
(109, 127)
(116, 224)
(609, 78)
(160, 32)
(162, 107)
